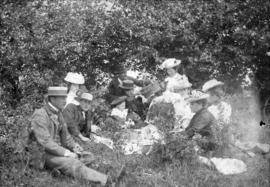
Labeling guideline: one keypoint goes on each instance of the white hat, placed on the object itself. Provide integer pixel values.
(85, 96)
(170, 63)
(74, 78)
(197, 96)
(211, 84)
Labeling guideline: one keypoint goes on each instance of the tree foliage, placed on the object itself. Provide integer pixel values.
(42, 40)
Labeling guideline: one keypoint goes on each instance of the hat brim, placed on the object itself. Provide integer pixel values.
(57, 95)
(118, 101)
(80, 98)
(213, 86)
(197, 99)
(126, 88)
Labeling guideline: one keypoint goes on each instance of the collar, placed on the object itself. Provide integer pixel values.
(53, 107)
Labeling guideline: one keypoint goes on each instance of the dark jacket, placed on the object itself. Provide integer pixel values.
(75, 120)
(115, 91)
(203, 123)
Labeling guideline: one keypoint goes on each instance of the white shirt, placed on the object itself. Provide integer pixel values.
(122, 114)
(70, 99)
(180, 79)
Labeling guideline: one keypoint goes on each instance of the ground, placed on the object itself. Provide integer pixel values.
(142, 170)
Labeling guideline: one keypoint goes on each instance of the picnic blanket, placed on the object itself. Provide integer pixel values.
(139, 141)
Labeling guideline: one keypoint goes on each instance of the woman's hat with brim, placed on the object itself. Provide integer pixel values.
(211, 84)
(118, 100)
(57, 91)
(126, 84)
(85, 96)
(170, 63)
(74, 78)
(197, 96)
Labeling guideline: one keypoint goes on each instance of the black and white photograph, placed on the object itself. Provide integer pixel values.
(134, 93)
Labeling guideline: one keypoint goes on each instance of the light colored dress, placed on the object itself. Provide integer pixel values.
(71, 98)
(170, 81)
(221, 111)
(182, 109)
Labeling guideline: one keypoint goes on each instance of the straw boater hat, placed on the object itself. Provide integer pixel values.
(57, 91)
(74, 78)
(126, 84)
(197, 96)
(170, 63)
(211, 84)
(83, 94)
(118, 100)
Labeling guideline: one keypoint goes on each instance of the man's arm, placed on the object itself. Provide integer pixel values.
(39, 126)
(71, 122)
(198, 125)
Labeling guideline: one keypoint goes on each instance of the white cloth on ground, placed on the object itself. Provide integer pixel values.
(226, 166)
(135, 140)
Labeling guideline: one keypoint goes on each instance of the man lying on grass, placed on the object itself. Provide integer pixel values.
(50, 131)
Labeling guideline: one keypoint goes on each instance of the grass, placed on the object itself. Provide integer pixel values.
(144, 170)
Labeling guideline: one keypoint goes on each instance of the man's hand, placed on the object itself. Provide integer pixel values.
(78, 149)
(70, 154)
(85, 139)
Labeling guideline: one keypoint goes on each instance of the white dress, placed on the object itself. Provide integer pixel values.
(180, 79)
(221, 111)
(70, 98)
(182, 109)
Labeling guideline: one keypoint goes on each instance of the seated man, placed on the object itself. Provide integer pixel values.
(78, 117)
(122, 117)
(50, 131)
(202, 123)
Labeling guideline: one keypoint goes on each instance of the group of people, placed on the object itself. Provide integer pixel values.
(67, 115)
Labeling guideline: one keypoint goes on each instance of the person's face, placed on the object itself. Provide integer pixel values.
(213, 97)
(59, 102)
(171, 72)
(121, 106)
(129, 92)
(195, 106)
(74, 87)
(85, 104)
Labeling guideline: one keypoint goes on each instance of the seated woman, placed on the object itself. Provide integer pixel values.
(121, 117)
(176, 97)
(202, 123)
(172, 65)
(78, 117)
(220, 110)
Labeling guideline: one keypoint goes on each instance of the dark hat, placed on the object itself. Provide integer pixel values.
(118, 69)
(118, 100)
(126, 84)
(57, 91)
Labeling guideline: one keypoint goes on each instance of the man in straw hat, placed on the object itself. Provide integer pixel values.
(50, 131)
(202, 122)
(78, 117)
